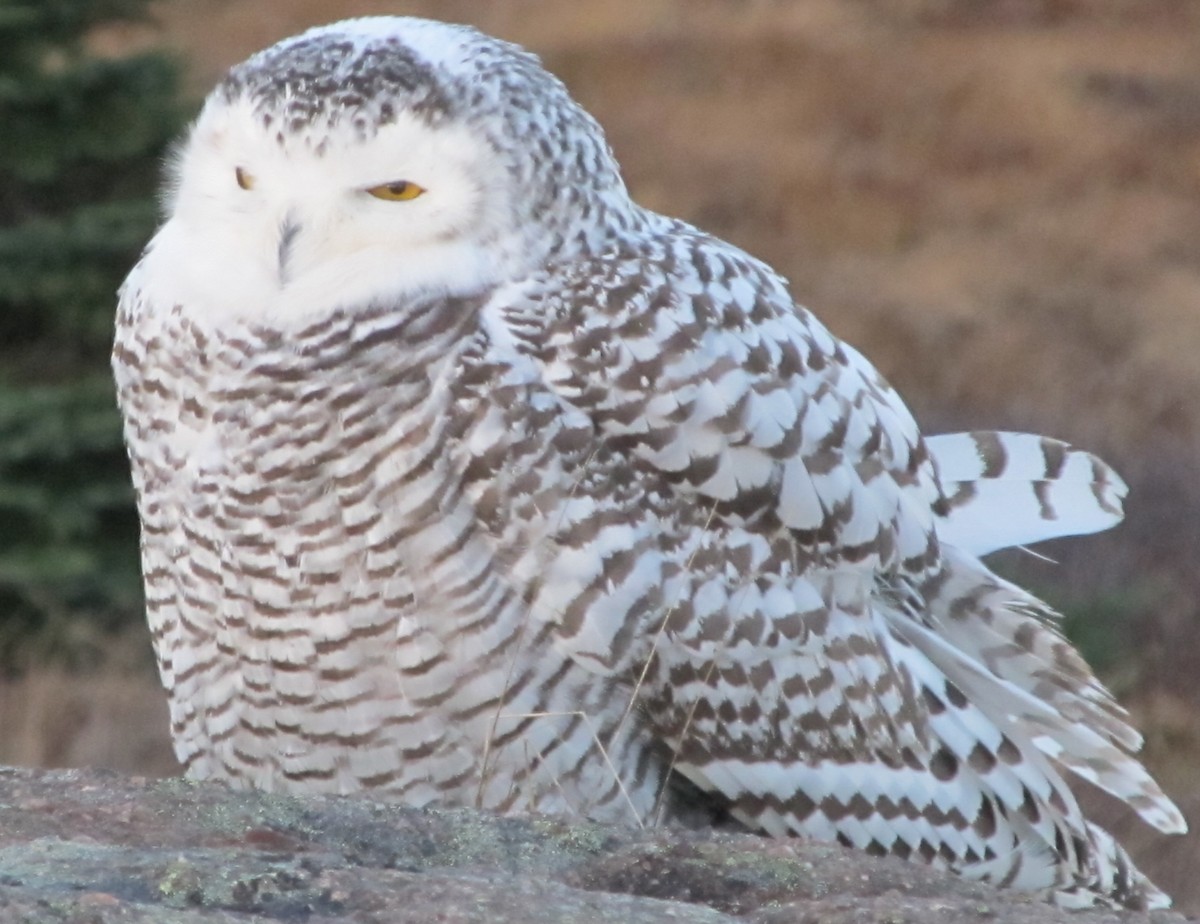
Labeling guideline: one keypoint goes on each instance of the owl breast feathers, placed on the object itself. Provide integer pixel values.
(463, 479)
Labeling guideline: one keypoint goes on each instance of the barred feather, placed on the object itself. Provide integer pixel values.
(1010, 489)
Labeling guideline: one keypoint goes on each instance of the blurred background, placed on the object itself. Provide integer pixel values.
(998, 201)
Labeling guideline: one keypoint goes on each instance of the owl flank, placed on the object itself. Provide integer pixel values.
(465, 480)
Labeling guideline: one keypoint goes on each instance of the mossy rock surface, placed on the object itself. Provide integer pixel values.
(97, 847)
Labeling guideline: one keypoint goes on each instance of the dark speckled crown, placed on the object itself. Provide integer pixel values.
(316, 82)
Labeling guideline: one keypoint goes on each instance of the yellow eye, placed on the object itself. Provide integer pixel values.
(400, 191)
(244, 178)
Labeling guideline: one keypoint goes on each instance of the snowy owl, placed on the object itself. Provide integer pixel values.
(465, 480)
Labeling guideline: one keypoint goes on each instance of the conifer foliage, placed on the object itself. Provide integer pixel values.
(82, 140)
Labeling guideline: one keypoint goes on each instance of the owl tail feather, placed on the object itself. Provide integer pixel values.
(1001, 646)
(1114, 881)
(999, 677)
(1010, 489)
(1122, 884)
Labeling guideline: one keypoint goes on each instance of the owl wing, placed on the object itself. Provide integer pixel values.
(775, 477)
(691, 357)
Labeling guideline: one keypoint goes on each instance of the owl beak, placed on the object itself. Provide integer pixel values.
(288, 232)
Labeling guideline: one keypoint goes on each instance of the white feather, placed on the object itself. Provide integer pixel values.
(1024, 499)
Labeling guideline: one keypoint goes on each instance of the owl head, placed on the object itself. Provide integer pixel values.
(377, 159)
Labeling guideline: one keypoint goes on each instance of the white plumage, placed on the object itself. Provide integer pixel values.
(465, 480)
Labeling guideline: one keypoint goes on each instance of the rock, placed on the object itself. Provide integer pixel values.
(95, 847)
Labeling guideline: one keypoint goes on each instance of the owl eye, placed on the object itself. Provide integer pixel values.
(400, 191)
(244, 178)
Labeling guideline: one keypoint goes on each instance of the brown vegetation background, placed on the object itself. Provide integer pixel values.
(998, 201)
